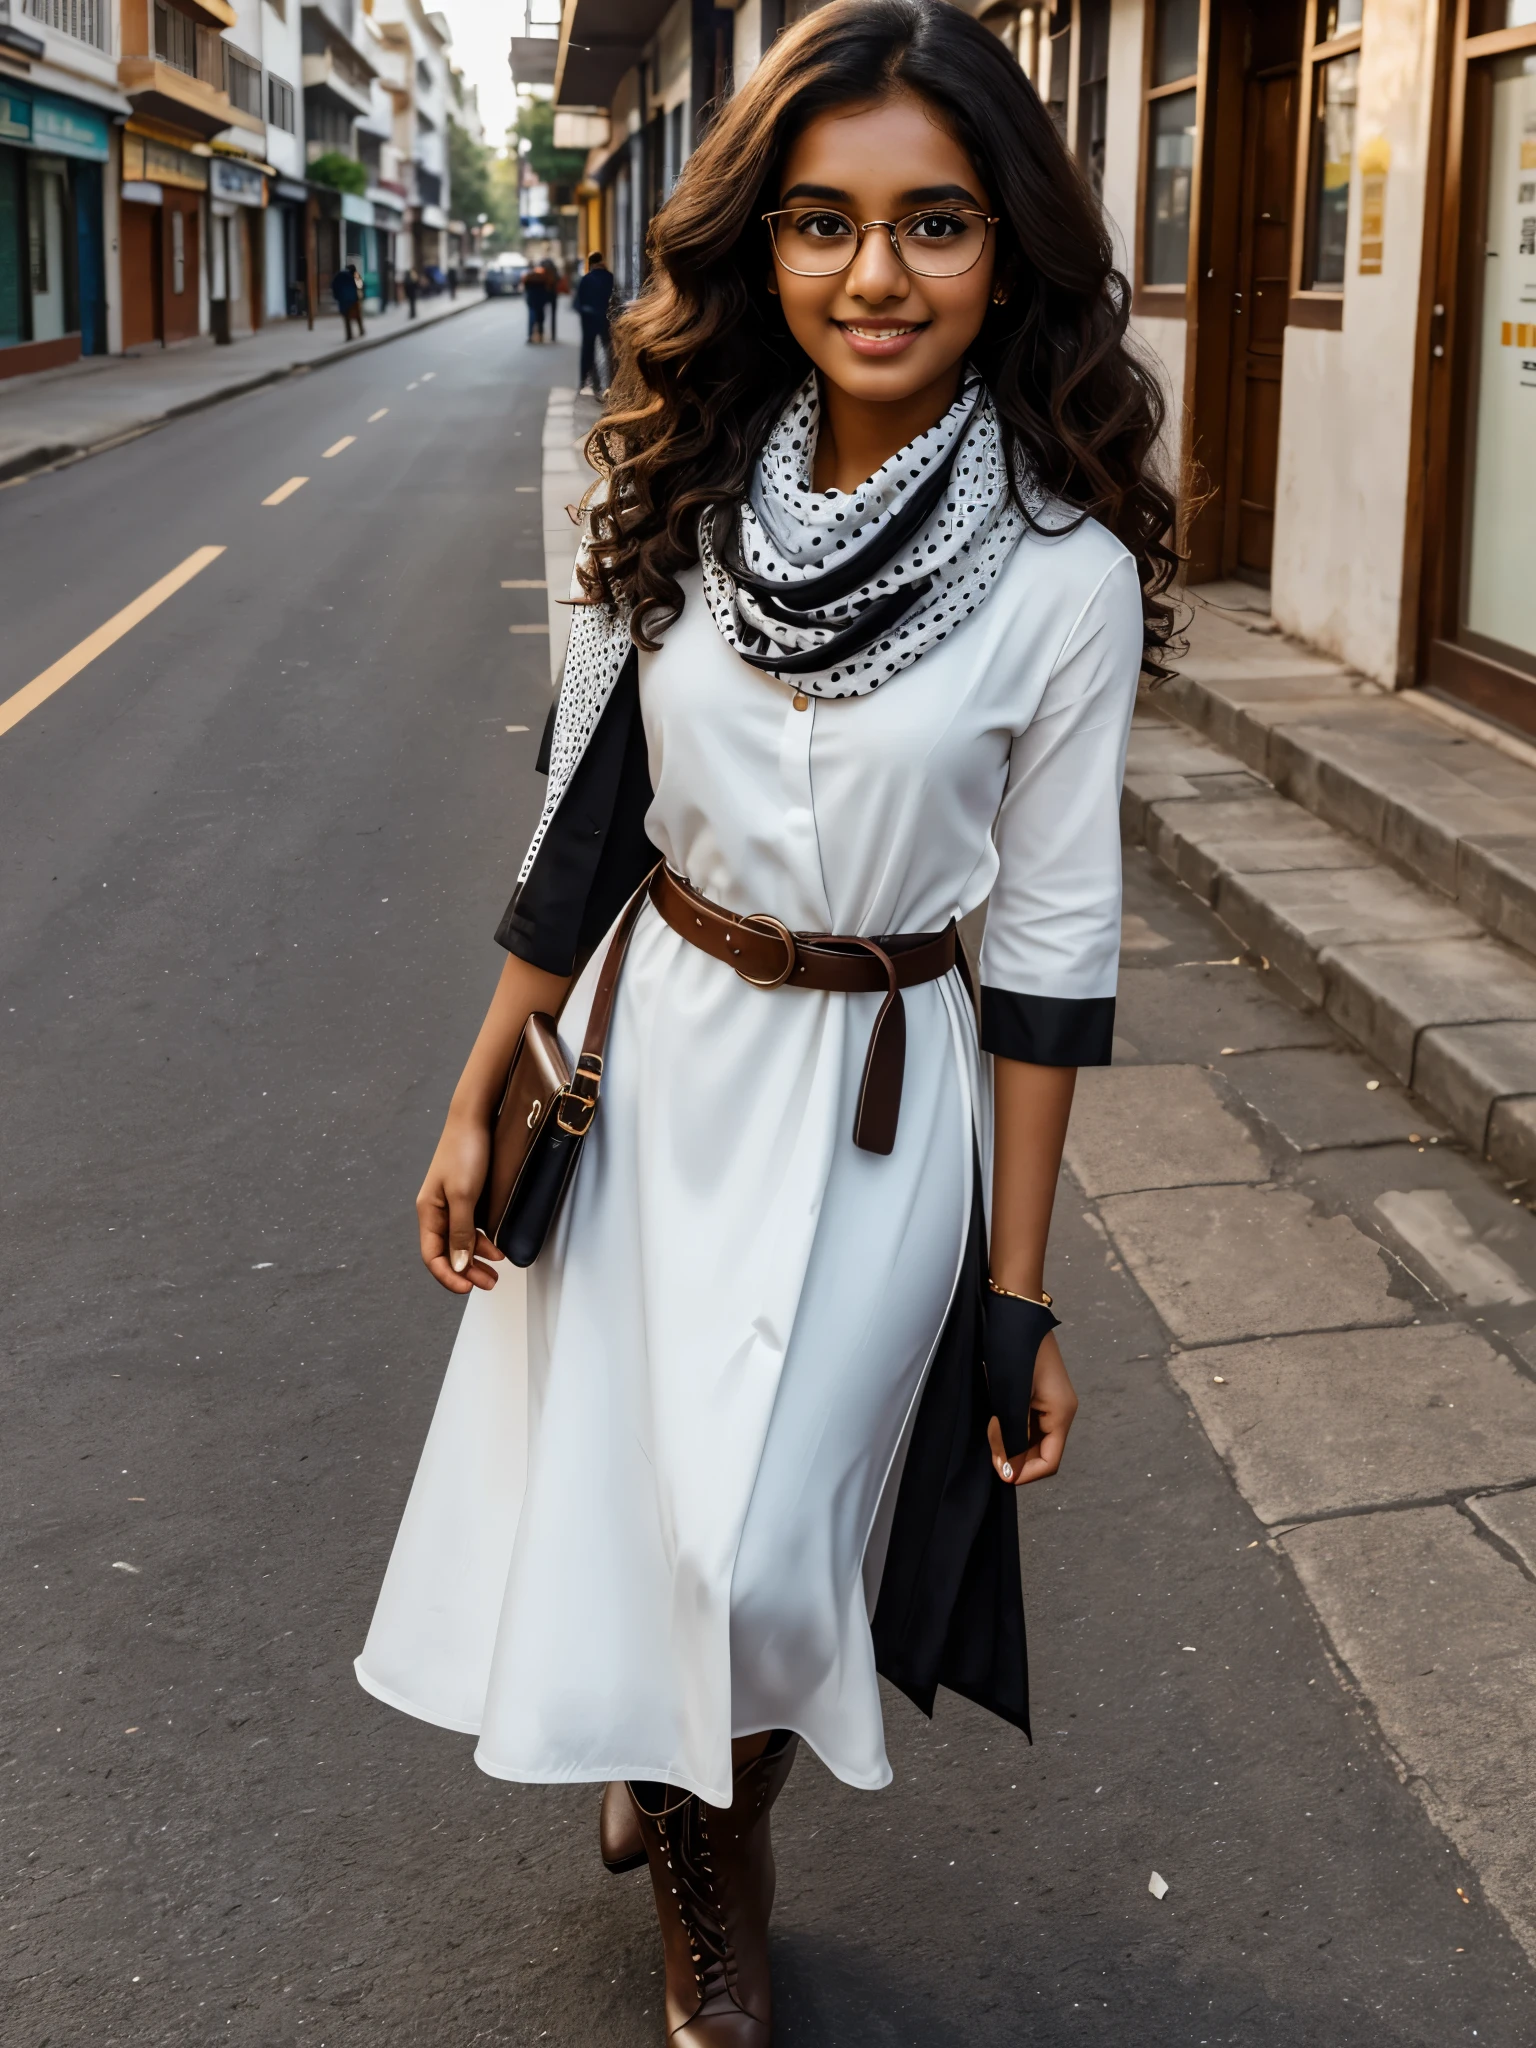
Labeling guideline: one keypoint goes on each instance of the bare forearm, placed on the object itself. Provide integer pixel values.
(520, 991)
(1030, 1110)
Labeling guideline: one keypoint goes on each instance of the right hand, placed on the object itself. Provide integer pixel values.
(452, 1249)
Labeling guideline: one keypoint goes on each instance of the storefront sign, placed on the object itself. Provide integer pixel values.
(68, 128)
(152, 161)
(15, 115)
(1375, 162)
(358, 210)
(238, 182)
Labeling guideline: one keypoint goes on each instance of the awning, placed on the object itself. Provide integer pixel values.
(599, 41)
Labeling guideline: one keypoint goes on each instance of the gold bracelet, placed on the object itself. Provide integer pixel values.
(1045, 1300)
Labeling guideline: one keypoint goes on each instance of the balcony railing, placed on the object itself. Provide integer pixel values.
(88, 21)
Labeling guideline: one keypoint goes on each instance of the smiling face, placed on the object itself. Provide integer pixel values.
(877, 331)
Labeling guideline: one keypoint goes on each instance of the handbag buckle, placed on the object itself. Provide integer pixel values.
(762, 922)
(578, 1102)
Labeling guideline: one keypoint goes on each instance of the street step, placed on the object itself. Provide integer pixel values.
(1445, 807)
(1410, 975)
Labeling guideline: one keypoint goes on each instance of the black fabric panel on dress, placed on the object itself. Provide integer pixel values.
(951, 1605)
(546, 740)
(1048, 1031)
(595, 853)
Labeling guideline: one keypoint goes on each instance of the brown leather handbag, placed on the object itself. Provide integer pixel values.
(546, 1111)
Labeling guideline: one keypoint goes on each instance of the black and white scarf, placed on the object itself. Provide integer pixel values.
(836, 592)
(830, 592)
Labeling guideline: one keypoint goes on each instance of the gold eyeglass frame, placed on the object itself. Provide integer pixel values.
(861, 229)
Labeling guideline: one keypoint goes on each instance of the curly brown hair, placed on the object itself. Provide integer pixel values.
(705, 361)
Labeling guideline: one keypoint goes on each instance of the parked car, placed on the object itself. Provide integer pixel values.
(504, 276)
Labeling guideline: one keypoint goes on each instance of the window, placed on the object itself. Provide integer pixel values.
(1172, 111)
(1330, 85)
(1093, 89)
(175, 38)
(280, 104)
(674, 145)
(242, 81)
(88, 21)
(423, 74)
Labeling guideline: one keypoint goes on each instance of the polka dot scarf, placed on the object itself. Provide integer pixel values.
(837, 592)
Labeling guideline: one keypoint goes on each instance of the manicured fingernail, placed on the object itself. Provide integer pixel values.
(1007, 1471)
(460, 1260)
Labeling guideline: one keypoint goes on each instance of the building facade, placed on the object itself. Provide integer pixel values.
(1326, 214)
(154, 159)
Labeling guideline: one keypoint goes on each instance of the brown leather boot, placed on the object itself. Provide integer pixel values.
(712, 1870)
(619, 1840)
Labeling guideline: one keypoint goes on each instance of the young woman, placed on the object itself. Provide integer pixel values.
(863, 602)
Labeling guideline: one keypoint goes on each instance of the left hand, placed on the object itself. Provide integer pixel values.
(1052, 1406)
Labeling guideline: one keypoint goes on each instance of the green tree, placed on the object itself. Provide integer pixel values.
(536, 126)
(342, 172)
(469, 175)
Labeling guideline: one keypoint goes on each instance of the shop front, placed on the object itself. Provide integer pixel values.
(237, 197)
(285, 263)
(160, 238)
(360, 245)
(52, 277)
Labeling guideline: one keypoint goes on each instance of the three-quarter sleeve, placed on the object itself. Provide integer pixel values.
(1050, 957)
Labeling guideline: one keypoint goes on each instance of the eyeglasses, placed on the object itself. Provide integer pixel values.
(818, 241)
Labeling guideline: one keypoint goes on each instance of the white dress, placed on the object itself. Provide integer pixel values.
(648, 1516)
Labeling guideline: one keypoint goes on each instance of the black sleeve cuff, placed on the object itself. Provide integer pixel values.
(1048, 1031)
(595, 853)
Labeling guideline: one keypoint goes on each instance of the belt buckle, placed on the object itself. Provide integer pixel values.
(761, 921)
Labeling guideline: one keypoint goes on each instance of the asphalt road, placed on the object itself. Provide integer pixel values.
(250, 862)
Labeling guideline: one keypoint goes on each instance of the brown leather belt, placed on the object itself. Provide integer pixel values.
(768, 955)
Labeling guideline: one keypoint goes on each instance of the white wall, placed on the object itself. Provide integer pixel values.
(282, 53)
(1346, 397)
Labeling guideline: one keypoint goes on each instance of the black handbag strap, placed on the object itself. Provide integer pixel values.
(578, 1105)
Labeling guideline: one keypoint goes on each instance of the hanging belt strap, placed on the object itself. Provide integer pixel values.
(768, 955)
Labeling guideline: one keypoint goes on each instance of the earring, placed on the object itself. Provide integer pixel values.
(1000, 296)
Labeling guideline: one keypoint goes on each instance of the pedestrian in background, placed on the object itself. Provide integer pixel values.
(876, 559)
(558, 283)
(536, 292)
(593, 297)
(453, 281)
(346, 290)
(412, 289)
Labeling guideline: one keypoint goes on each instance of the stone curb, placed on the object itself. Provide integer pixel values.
(1444, 808)
(54, 456)
(1401, 969)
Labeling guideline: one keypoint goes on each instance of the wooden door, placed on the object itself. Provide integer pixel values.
(1258, 323)
(181, 264)
(139, 242)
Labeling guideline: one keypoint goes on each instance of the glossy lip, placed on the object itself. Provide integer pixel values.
(891, 342)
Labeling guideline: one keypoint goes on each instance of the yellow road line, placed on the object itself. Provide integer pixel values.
(294, 483)
(527, 629)
(15, 708)
(337, 446)
(524, 583)
(377, 415)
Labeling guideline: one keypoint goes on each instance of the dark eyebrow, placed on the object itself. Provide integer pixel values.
(925, 195)
(929, 195)
(815, 192)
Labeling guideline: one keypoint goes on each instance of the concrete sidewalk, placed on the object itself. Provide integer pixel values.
(1377, 850)
(61, 415)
